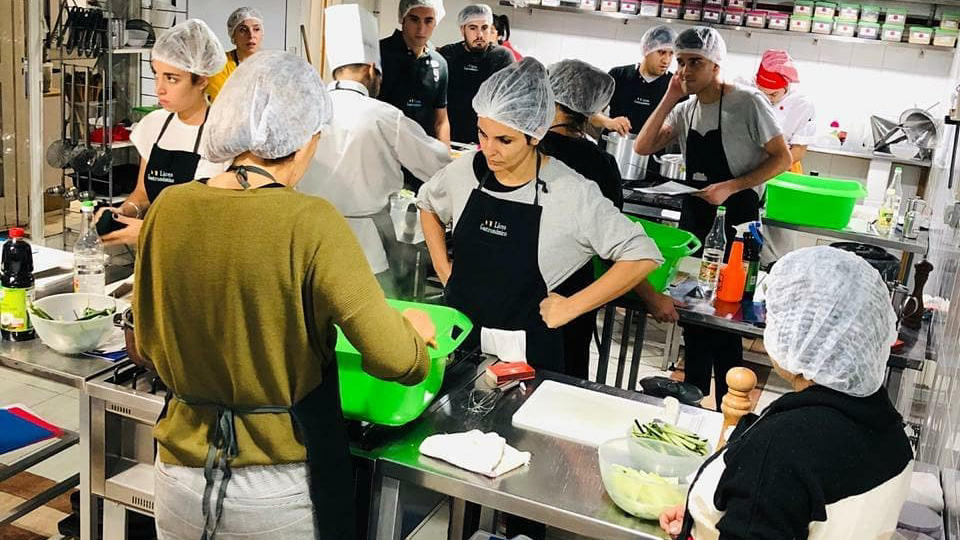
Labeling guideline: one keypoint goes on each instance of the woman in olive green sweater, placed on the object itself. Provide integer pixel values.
(239, 282)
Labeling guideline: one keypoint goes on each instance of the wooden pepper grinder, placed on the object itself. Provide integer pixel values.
(922, 269)
(736, 404)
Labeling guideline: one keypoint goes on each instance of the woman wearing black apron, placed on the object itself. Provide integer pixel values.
(252, 442)
(168, 139)
(732, 145)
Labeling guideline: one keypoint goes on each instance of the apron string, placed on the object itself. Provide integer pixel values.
(196, 143)
(242, 172)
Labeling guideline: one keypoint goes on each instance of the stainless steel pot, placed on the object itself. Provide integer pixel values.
(672, 166)
(632, 165)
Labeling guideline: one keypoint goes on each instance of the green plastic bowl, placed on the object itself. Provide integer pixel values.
(673, 243)
(365, 397)
(815, 201)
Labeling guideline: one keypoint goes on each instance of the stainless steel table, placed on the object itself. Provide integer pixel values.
(560, 487)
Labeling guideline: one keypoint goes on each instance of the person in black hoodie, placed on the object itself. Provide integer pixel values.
(830, 460)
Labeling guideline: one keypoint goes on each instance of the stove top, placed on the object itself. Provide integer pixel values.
(137, 378)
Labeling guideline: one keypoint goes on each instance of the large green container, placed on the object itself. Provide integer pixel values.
(674, 244)
(365, 397)
(815, 201)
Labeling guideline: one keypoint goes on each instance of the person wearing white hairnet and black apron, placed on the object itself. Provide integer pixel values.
(168, 140)
(239, 324)
(829, 460)
(731, 145)
(358, 161)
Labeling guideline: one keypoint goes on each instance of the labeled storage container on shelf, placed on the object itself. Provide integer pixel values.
(733, 16)
(630, 7)
(756, 19)
(945, 37)
(670, 11)
(868, 30)
(692, 10)
(713, 3)
(822, 25)
(800, 23)
(803, 7)
(778, 21)
(891, 32)
(712, 14)
(844, 28)
(649, 9)
(825, 9)
(551, 3)
(588, 5)
(896, 16)
(920, 35)
(869, 13)
(610, 6)
(741, 4)
(849, 12)
(950, 20)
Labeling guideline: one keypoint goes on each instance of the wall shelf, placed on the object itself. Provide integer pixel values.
(626, 18)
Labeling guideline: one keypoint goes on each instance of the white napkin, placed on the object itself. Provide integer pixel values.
(507, 345)
(484, 453)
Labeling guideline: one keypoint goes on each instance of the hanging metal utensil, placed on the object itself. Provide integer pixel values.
(82, 162)
(58, 152)
(74, 147)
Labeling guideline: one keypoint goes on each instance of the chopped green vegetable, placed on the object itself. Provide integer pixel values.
(658, 430)
(643, 494)
(34, 310)
(88, 313)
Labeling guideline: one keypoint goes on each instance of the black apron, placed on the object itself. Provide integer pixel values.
(707, 164)
(496, 279)
(318, 419)
(170, 167)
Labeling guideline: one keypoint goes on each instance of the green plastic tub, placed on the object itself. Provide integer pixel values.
(673, 243)
(364, 397)
(815, 201)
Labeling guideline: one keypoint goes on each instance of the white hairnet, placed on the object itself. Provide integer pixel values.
(702, 41)
(435, 5)
(239, 15)
(191, 46)
(580, 87)
(658, 38)
(829, 319)
(271, 106)
(475, 13)
(518, 96)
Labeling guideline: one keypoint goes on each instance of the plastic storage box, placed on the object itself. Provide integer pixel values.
(733, 16)
(712, 14)
(589, 5)
(868, 30)
(756, 19)
(692, 11)
(674, 244)
(778, 21)
(844, 28)
(742, 4)
(825, 9)
(849, 12)
(815, 201)
(649, 9)
(822, 25)
(921, 35)
(800, 23)
(945, 37)
(896, 16)
(713, 3)
(803, 7)
(670, 11)
(891, 32)
(364, 397)
(610, 6)
(630, 7)
(950, 20)
(869, 13)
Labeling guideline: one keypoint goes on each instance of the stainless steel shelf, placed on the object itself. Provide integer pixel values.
(131, 51)
(742, 29)
(869, 155)
(898, 243)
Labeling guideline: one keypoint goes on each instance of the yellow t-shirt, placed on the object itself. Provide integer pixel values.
(215, 83)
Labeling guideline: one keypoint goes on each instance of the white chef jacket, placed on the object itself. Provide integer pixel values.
(797, 118)
(358, 160)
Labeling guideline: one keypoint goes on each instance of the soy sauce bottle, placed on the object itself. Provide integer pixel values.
(16, 288)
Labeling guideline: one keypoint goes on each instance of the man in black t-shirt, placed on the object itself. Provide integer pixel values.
(640, 87)
(415, 75)
(471, 62)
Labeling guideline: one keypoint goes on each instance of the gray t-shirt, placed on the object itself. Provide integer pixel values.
(748, 124)
(577, 223)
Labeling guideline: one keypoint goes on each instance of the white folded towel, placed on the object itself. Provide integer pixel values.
(484, 453)
(507, 345)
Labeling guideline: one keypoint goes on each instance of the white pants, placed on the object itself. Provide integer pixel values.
(269, 502)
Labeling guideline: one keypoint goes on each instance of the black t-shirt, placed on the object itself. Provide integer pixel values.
(467, 71)
(589, 160)
(416, 86)
(634, 97)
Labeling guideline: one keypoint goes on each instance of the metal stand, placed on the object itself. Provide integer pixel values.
(953, 152)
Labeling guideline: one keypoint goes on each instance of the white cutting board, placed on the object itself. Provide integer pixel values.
(593, 418)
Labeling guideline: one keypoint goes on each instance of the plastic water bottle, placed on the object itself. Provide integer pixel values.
(89, 259)
(713, 249)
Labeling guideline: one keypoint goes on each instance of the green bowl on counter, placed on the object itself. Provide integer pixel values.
(814, 201)
(367, 398)
(673, 243)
